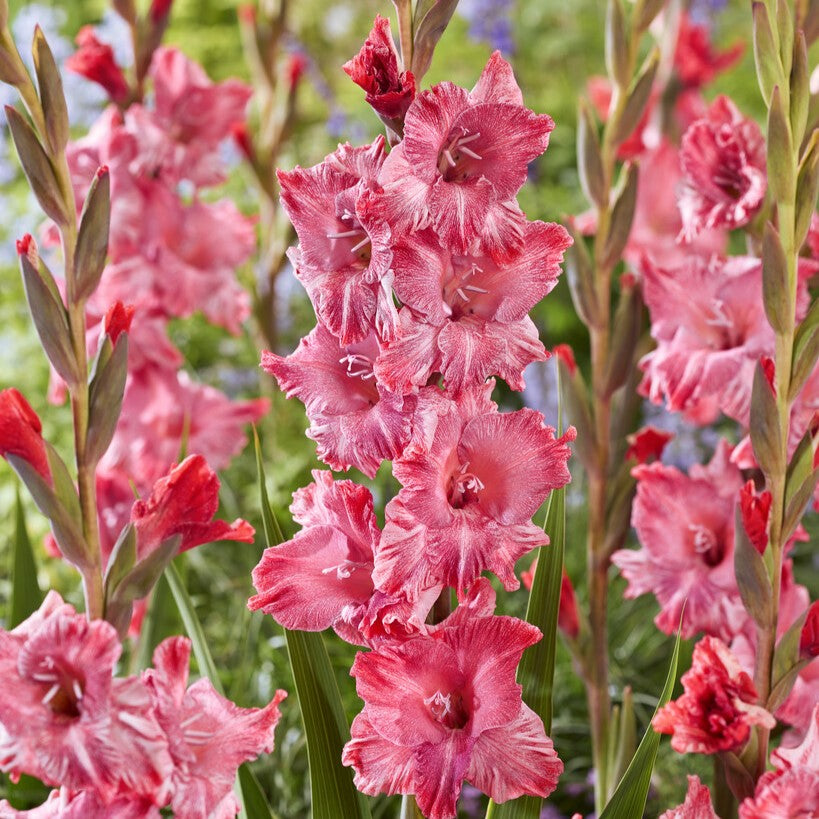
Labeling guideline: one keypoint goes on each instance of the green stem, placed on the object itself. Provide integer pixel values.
(409, 808)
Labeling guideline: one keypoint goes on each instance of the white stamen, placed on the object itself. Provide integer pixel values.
(468, 152)
(43, 677)
(189, 721)
(77, 690)
(462, 294)
(475, 289)
(52, 692)
(141, 726)
(449, 158)
(364, 241)
(466, 139)
(345, 234)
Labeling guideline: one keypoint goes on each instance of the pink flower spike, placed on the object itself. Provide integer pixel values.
(184, 503)
(443, 707)
(468, 497)
(375, 68)
(723, 160)
(21, 432)
(353, 419)
(95, 61)
(719, 705)
(65, 721)
(209, 736)
(685, 525)
(697, 803)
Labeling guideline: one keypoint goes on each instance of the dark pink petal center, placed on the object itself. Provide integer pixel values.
(458, 159)
(448, 709)
(708, 544)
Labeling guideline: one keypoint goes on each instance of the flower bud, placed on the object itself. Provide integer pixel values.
(647, 444)
(809, 637)
(21, 432)
(95, 61)
(755, 511)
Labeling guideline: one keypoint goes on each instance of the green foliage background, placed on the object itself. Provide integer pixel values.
(559, 44)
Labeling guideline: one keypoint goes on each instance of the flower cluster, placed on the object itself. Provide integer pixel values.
(119, 746)
(422, 269)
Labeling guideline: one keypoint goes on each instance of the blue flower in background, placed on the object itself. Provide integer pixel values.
(704, 11)
(490, 21)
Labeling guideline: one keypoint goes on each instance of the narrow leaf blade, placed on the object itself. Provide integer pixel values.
(629, 799)
(26, 595)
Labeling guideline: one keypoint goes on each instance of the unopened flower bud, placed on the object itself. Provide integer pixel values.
(809, 638)
(95, 61)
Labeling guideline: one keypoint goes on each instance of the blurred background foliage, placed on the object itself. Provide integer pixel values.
(554, 47)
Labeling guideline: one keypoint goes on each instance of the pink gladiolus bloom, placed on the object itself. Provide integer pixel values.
(344, 257)
(804, 755)
(685, 525)
(468, 497)
(209, 736)
(95, 61)
(709, 323)
(65, 721)
(794, 793)
(462, 161)
(189, 105)
(443, 707)
(161, 410)
(63, 804)
(323, 576)
(375, 68)
(723, 160)
(353, 419)
(697, 803)
(466, 316)
(21, 433)
(696, 62)
(719, 705)
(183, 503)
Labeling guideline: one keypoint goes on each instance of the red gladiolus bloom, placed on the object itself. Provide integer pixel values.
(184, 503)
(390, 91)
(21, 432)
(95, 61)
(719, 705)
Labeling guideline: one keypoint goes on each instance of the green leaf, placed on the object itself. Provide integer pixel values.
(25, 591)
(537, 666)
(255, 802)
(333, 794)
(629, 799)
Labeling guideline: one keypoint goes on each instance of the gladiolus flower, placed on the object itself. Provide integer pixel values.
(95, 61)
(443, 707)
(685, 525)
(755, 510)
(723, 160)
(390, 91)
(697, 803)
(184, 503)
(809, 637)
(468, 497)
(719, 705)
(209, 736)
(344, 256)
(696, 61)
(467, 316)
(792, 793)
(462, 161)
(21, 433)
(647, 444)
(65, 720)
(354, 420)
